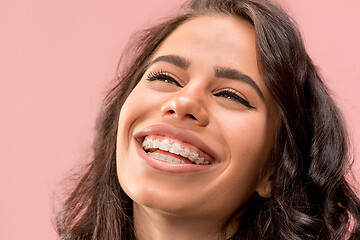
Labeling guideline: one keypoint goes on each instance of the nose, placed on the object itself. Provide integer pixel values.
(186, 107)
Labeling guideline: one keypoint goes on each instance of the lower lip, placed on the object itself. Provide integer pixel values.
(170, 167)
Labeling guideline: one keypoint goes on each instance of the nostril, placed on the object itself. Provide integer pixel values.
(171, 111)
(191, 116)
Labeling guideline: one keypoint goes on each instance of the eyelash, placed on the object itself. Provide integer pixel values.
(232, 95)
(226, 93)
(163, 76)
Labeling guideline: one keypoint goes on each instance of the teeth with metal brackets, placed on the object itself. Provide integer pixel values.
(149, 145)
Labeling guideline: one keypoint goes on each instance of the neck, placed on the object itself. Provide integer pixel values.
(152, 224)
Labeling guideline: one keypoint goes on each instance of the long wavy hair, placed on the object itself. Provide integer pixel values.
(310, 199)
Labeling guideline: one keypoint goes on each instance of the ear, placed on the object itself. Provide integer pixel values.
(265, 185)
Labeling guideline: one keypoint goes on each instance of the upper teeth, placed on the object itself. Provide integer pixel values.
(174, 148)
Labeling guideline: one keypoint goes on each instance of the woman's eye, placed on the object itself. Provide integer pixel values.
(162, 76)
(233, 97)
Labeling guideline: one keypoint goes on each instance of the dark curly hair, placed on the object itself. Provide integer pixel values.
(310, 199)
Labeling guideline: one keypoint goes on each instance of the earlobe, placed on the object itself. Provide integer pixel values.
(265, 186)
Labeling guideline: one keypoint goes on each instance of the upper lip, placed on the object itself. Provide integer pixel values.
(175, 133)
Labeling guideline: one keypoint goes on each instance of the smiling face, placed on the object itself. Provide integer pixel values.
(203, 99)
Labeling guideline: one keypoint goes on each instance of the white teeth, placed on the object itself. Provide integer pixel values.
(164, 145)
(185, 153)
(166, 158)
(193, 156)
(201, 161)
(175, 148)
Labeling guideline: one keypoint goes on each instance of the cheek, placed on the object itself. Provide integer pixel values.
(249, 142)
(128, 115)
(130, 110)
(135, 107)
(136, 112)
(141, 102)
(248, 149)
(247, 134)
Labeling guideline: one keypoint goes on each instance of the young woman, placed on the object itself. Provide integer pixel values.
(219, 127)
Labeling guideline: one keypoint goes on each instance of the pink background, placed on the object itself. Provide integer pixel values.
(56, 60)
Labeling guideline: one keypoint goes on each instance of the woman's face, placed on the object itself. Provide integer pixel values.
(203, 99)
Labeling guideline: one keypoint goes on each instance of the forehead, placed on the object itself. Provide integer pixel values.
(220, 35)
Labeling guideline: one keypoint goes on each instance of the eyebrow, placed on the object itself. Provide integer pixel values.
(174, 59)
(229, 73)
(220, 72)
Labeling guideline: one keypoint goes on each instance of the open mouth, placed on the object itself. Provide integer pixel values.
(174, 151)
